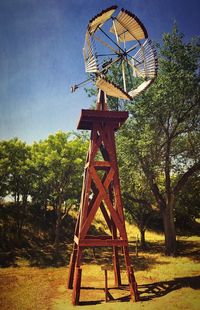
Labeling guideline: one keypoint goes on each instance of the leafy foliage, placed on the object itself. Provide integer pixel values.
(57, 163)
(161, 140)
(163, 131)
(45, 181)
(14, 168)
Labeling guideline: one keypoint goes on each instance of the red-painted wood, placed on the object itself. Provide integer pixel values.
(88, 117)
(77, 286)
(106, 196)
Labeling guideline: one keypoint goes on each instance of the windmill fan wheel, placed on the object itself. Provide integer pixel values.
(119, 57)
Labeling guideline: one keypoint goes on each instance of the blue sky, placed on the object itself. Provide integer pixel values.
(41, 57)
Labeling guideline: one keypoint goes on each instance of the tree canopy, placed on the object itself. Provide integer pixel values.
(45, 174)
(161, 139)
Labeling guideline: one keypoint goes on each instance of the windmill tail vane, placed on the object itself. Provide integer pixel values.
(76, 86)
(118, 39)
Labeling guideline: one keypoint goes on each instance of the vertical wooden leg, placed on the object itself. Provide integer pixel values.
(116, 267)
(106, 285)
(131, 278)
(73, 258)
(77, 278)
(116, 264)
(77, 286)
(72, 267)
(133, 286)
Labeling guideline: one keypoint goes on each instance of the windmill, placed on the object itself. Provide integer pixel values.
(118, 40)
(123, 41)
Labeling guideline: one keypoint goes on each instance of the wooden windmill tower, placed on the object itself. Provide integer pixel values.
(101, 193)
(101, 185)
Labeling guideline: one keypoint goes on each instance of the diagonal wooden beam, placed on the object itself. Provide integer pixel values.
(84, 209)
(99, 198)
(106, 216)
(105, 197)
(107, 135)
(116, 181)
(102, 207)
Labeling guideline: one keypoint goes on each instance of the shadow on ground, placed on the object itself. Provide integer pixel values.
(103, 256)
(159, 289)
(149, 291)
(41, 254)
(190, 249)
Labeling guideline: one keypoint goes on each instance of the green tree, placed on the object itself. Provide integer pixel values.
(58, 163)
(137, 198)
(188, 205)
(163, 132)
(15, 177)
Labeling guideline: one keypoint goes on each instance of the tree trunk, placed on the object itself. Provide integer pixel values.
(169, 228)
(142, 238)
(57, 233)
(19, 219)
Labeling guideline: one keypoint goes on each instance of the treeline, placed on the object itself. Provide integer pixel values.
(39, 185)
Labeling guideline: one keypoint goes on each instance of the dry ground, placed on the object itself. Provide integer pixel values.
(173, 282)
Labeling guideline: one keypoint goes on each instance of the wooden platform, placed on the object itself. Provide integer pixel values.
(89, 117)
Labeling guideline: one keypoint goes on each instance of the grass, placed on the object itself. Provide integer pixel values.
(163, 281)
(173, 282)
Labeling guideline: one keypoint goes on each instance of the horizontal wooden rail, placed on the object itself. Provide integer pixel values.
(100, 242)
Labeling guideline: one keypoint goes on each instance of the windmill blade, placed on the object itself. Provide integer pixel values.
(112, 89)
(135, 92)
(89, 55)
(145, 60)
(98, 20)
(129, 27)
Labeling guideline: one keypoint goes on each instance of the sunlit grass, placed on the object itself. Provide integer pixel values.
(171, 282)
(167, 280)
